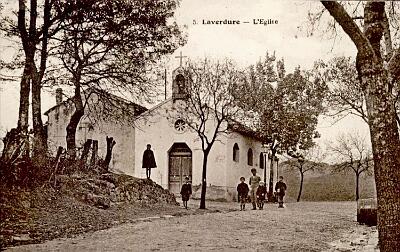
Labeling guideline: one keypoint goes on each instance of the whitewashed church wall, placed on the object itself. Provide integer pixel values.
(216, 168)
(122, 160)
(157, 129)
(57, 122)
(235, 170)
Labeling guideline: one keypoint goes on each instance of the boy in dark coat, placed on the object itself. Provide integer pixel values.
(261, 192)
(186, 191)
(280, 189)
(243, 191)
(148, 161)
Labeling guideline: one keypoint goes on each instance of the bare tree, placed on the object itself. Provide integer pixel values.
(209, 109)
(353, 154)
(34, 31)
(305, 161)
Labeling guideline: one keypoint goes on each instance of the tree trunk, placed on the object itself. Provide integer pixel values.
(95, 148)
(23, 113)
(74, 121)
(301, 186)
(385, 142)
(386, 149)
(381, 114)
(39, 153)
(357, 186)
(14, 146)
(271, 179)
(29, 39)
(204, 181)
(110, 146)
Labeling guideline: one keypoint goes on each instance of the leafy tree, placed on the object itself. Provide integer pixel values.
(110, 45)
(209, 109)
(378, 72)
(285, 106)
(293, 116)
(345, 96)
(89, 34)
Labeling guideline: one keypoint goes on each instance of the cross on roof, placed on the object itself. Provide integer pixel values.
(180, 58)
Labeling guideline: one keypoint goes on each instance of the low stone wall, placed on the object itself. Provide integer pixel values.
(216, 193)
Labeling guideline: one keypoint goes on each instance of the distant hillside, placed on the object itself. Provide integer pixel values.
(324, 185)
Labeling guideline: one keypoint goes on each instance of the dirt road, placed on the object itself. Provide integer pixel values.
(300, 226)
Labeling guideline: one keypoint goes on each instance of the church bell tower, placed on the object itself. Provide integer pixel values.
(179, 82)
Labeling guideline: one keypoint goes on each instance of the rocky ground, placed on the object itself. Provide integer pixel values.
(304, 226)
(78, 204)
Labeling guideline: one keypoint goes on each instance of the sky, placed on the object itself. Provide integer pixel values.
(245, 43)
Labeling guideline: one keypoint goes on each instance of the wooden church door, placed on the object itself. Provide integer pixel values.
(180, 166)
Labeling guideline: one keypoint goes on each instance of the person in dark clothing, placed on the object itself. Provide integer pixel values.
(243, 191)
(186, 191)
(261, 192)
(280, 189)
(148, 161)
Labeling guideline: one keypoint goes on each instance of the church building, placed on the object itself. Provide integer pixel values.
(177, 149)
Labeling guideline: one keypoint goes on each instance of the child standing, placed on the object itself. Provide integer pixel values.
(261, 192)
(254, 181)
(280, 189)
(186, 191)
(243, 191)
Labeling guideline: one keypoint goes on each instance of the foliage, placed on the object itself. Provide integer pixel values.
(107, 44)
(110, 45)
(345, 94)
(286, 106)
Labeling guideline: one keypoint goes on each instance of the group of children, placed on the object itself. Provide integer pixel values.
(258, 191)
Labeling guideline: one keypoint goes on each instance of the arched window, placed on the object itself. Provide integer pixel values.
(261, 160)
(250, 157)
(236, 152)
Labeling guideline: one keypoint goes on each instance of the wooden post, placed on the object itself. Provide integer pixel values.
(58, 158)
(86, 149)
(95, 148)
(110, 146)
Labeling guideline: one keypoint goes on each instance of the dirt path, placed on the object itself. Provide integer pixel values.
(299, 227)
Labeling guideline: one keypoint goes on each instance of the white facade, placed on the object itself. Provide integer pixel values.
(96, 128)
(177, 152)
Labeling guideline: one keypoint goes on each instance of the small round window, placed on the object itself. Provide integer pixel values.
(180, 125)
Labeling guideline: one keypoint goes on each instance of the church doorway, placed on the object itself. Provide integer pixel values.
(180, 166)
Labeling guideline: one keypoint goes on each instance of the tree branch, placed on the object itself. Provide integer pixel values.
(349, 26)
